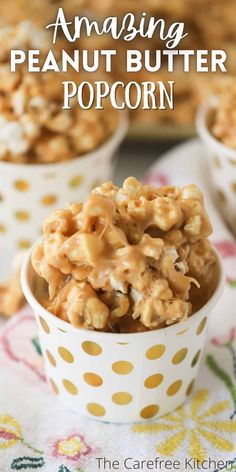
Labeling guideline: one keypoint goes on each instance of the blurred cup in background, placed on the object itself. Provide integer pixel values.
(222, 166)
(30, 192)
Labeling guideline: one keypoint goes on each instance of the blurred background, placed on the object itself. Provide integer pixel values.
(210, 25)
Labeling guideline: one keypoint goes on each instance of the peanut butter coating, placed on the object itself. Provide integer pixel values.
(128, 259)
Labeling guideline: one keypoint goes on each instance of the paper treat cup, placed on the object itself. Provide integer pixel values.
(222, 167)
(120, 378)
(28, 193)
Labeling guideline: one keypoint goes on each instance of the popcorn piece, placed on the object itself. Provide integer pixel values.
(52, 150)
(33, 126)
(79, 303)
(53, 276)
(12, 139)
(129, 258)
(11, 295)
(60, 123)
(223, 126)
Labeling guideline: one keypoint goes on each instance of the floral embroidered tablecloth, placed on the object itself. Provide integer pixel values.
(38, 433)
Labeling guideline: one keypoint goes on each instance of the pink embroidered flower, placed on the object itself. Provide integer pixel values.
(72, 447)
(225, 339)
(18, 343)
(156, 178)
(11, 434)
(10, 431)
(226, 248)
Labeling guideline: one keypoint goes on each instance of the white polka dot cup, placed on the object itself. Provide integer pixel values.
(28, 193)
(120, 378)
(222, 167)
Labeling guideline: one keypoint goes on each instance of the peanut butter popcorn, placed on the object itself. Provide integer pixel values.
(129, 259)
(11, 296)
(223, 125)
(33, 126)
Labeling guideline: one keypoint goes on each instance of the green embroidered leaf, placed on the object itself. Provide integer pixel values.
(232, 351)
(222, 375)
(63, 468)
(36, 344)
(23, 463)
(231, 466)
(31, 447)
(232, 283)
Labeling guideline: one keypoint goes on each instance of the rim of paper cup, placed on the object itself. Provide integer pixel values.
(117, 337)
(205, 133)
(111, 143)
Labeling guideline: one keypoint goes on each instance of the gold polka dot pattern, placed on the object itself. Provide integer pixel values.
(65, 354)
(179, 356)
(122, 367)
(76, 181)
(21, 185)
(93, 379)
(91, 348)
(51, 358)
(182, 332)
(22, 215)
(54, 386)
(149, 411)
(44, 325)
(174, 388)
(201, 326)
(48, 200)
(104, 382)
(153, 381)
(24, 244)
(96, 409)
(3, 228)
(196, 358)
(190, 388)
(122, 398)
(70, 387)
(155, 352)
(221, 196)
